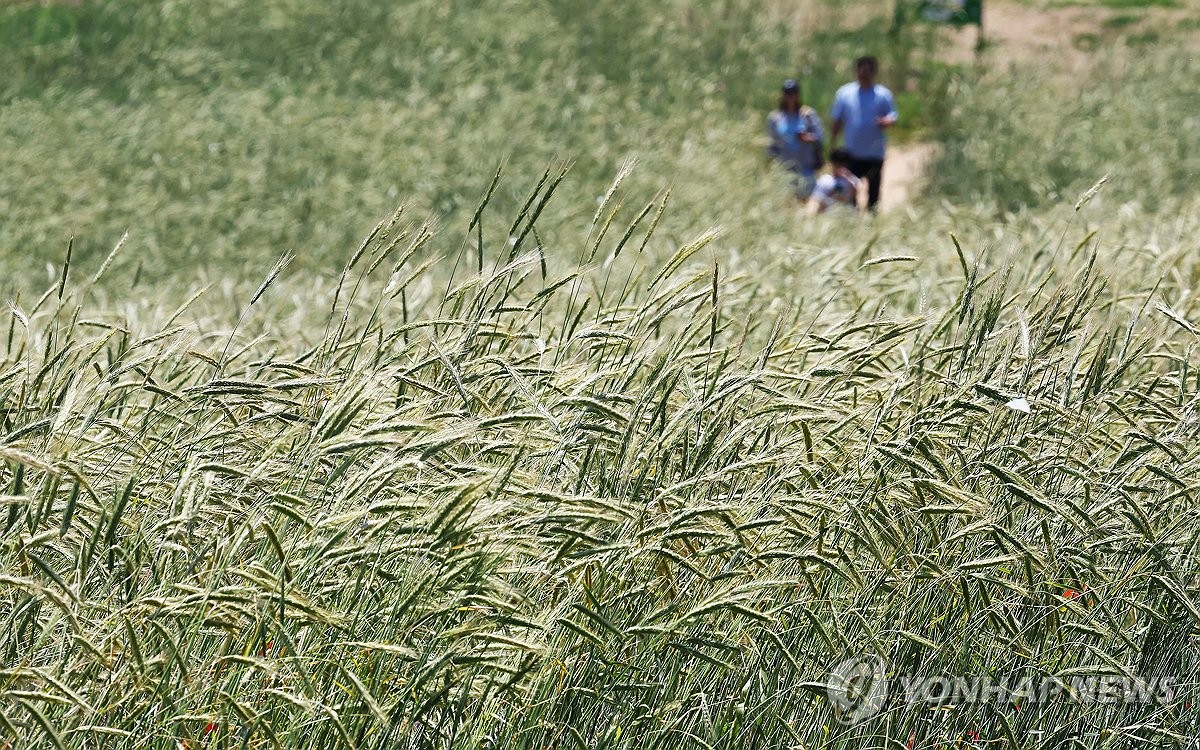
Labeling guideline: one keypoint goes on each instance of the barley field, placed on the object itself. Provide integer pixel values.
(453, 375)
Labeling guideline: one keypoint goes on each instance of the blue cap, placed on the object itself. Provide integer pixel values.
(791, 87)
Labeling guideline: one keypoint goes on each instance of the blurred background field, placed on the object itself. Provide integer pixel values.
(224, 134)
(618, 450)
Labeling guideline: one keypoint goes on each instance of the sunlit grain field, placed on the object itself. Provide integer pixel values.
(605, 454)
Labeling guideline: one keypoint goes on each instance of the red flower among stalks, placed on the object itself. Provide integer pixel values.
(1080, 595)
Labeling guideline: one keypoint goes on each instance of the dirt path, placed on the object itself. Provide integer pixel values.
(903, 172)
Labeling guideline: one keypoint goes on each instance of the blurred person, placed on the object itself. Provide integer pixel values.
(796, 138)
(838, 188)
(864, 110)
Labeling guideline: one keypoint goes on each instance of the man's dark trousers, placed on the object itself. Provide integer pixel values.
(872, 169)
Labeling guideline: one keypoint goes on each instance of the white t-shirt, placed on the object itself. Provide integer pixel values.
(834, 189)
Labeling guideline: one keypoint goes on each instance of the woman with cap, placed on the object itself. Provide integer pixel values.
(796, 138)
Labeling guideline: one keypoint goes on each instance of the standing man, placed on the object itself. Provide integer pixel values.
(863, 110)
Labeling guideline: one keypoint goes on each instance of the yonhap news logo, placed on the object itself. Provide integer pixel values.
(858, 687)
(864, 686)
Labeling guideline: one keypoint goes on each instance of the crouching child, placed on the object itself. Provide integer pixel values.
(838, 188)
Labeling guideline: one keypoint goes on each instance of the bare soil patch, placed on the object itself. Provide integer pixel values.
(903, 172)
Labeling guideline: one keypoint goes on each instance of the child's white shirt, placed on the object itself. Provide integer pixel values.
(833, 189)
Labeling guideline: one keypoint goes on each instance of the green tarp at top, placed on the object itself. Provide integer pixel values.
(958, 12)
